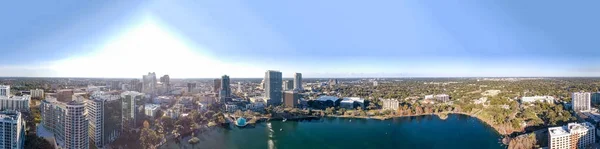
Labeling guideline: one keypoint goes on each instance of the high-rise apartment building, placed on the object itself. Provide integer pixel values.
(135, 85)
(574, 135)
(217, 85)
(191, 87)
(129, 103)
(225, 92)
(390, 104)
(68, 121)
(19, 103)
(290, 99)
(104, 113)
(166, 81)
(9, 102)
(298, 81)
(581, 101)
(4, 90)
(596, 98)
(273, 90)
(288, 85)
(12, 130)
(149, 86)
(37, 93)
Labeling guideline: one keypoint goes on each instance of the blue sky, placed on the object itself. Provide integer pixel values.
(334, 38)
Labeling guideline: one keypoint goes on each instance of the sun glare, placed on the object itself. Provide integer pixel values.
(146, 47)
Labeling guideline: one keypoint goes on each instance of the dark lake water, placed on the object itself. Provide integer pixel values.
(456, 132)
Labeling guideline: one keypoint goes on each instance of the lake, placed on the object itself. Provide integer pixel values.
(456, 132)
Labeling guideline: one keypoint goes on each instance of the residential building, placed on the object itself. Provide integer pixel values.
(65, 95)
(596, 98)
(217, 85)
(67, 121)
(375, 83)
(135, 85)
(104, 115)
(350, 102)
(225, 88)
(191, 87)
(273, 90)
(151, 110)
(149, 83)
(19, 103)
(390, 104)
(129, 102)
(12, 130)
(290, 99)
(442, 97)
(439, 97)
(37, 93)
(166, 81)
(532, 99)
(573, 135)
(288, 85)
(298, 81)
(4, 90)
(581, 101)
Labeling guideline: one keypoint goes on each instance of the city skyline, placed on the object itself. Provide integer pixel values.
(204, 39)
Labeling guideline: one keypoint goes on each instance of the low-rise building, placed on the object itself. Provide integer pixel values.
(573, 135)
(532, 99)
(390, 104)
(230, 107)
(349, 102)
(12, 129)
(151, 109)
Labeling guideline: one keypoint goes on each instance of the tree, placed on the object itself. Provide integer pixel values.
(146, 124)
(149, 137)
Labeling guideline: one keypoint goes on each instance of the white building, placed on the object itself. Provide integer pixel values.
(37, 93)
(12, 130)
(4, 90)
(231, 107)
(581, 101)
(19, 103)
(104, 115)
(298, 81)
(375, 83)
(438, 97)
(348, 102)
(390, 104)
(574, 135)
(151, 109)
(532, 99)
(67, 121)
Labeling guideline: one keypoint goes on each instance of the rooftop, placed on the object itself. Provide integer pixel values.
(325, 98)
(570, 128)
(151, 106)
(9, 115)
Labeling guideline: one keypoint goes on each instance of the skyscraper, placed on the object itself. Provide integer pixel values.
(166, 81)
(273, 90)
(217, 85)
(225, 88)
(135, 85)
(191, 87)
(581, 101)
(298, 81)
(288, 85)
(129, 106)
(149, 86)
(67, 121)
(12, 130)
(105, 118)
